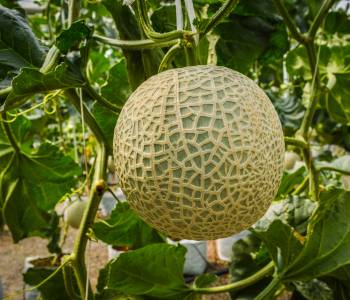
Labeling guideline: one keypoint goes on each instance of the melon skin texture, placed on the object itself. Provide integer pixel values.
(199, 152)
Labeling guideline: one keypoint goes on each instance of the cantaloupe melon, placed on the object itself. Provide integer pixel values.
(199, 152)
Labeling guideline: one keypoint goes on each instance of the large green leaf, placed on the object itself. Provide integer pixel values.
(30, 186)
(294, 211)
(328, 244)
(117, 91)
(31, 81)
(281, 242)
(253, 32)
(334, 64)
(18, 45)
(71, 37)
(125, 228)
(154, 271)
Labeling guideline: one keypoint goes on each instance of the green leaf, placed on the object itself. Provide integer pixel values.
(154, 271)
(337, 22)
(205, 280)
(248, 256)
(73, 36)
(164, 18)
(53, 289)
(30, 187)
(290, 179)
(328, 243)
(125, 228)
(281, 242)
(294, 211)
(117, 91)
(18, 46)
(31, 81)
(253, 32)
(314, 290)
(341, 163)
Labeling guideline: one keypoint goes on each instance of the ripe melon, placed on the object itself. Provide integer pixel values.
(199, 152)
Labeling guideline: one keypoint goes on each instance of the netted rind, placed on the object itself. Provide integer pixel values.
(199, 152)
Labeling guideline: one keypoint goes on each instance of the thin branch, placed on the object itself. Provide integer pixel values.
(236, 286)
(133, 45)
(149, 31)
(321, 15)
(224, 11)
(335, 169)
(289, 21)
(295, 142)
(9, 133)
(168, 57)
(100, 99)
(88, 117)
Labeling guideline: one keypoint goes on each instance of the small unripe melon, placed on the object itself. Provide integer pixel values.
(290, 158)
(199, 152)
(74, 213)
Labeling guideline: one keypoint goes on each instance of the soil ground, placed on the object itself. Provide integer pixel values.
(12, 258)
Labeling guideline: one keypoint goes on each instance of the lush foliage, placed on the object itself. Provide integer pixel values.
(67, 69)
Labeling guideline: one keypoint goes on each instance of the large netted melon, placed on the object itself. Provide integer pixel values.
(199, 152)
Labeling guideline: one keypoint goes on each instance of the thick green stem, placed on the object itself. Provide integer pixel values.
(236, 286)
(295, 142)
(224, 10)
(168, 57)
(133, 45)
(313, 175)
(321, 15)
(293, 29)
(50, 59)
(9, 133)
(4, 92)
(97, 190)
(73, 11)
(153, 35)
(270, 290)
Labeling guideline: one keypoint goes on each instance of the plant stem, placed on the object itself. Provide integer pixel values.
(236, 286)
(50, 59)
(302, 186)
(335, 169)
(88, 117)
(270, 289)
(100, 99)
(9, 133)
(4, 92)
(97, 190)
(133, 45)
(223, 11)
(73, 11)
(313, 175)
(321, 15)
(295, 142)
(153, 35)
(168, 57)
(294, 31)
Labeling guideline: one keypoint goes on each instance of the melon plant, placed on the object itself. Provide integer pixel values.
(199, 152)
(198, 148)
